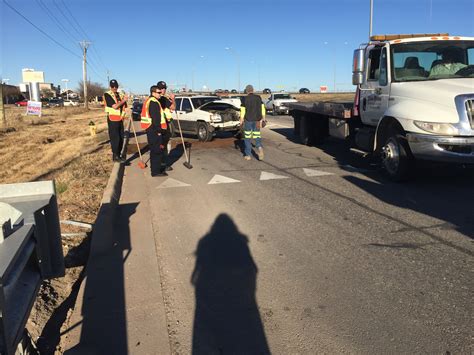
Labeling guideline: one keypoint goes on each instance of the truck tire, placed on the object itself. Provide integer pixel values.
(319, 128)
(274, 111)
(203, 132)
(172, 129)
(303, 130)
(397, 159)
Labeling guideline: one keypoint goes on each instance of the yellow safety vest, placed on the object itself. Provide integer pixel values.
(114, 114)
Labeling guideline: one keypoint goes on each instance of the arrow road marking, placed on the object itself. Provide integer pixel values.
(219, 179)
(172, 183)
(313, 172)
(270, 176)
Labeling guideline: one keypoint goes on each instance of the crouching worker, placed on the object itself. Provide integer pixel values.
(153, 121)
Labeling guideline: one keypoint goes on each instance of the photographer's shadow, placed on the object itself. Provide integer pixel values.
(227, 320)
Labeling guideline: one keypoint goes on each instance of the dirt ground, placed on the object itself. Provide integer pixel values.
(59, 146)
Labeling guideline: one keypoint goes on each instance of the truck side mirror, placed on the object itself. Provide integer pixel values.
(358, 67)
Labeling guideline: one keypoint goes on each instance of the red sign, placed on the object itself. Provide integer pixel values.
(323, 89)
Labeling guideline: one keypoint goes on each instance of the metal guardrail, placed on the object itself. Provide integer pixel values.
(30, 252)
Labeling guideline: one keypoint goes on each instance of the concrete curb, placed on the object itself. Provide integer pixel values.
(104, 222)
(101, 243)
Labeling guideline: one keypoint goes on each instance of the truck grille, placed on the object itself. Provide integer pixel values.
(470, 112)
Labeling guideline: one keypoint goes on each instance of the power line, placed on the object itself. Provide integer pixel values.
(83, 31)
(39, 29)
(58, 23)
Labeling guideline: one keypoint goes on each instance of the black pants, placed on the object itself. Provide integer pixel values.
(156, 152)
(116, 136)
(166, 138)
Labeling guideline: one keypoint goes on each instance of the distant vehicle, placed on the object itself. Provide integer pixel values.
(56, 103)
(22, 103)
(70, 103)
(136, 110)
(304, 91)
(233, 91)
(278, 103)
(267, 91)
(205, 115)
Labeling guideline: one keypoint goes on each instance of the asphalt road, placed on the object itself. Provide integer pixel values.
(312, 251)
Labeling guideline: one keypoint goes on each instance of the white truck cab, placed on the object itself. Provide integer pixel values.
(278, 103)
(415, 99)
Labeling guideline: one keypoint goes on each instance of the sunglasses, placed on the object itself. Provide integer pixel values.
(114, 86)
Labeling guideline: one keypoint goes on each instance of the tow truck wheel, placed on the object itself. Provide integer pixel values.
(396, 157)
(203, 132)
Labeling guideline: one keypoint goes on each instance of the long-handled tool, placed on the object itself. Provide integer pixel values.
(141, 164)
(187, 163)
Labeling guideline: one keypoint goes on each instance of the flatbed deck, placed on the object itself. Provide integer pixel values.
(338, 109)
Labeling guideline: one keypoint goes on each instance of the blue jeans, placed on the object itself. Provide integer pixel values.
(251, 131)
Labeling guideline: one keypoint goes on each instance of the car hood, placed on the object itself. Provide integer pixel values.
(231, 105)
(439, 92)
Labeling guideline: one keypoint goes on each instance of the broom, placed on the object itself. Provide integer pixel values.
(187, 163)
(141, 164)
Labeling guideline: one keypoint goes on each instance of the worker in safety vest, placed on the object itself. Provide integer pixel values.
(168, 104)
(115, 104)
(153, 121)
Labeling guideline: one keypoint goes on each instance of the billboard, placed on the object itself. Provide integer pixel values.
(32, 76)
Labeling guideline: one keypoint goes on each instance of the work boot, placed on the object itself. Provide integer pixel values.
(260, 153)
(247, 157)
(118, 158)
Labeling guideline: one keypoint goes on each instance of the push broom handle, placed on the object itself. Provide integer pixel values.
(181, 134)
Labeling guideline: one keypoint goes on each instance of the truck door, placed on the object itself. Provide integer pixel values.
(376, 89)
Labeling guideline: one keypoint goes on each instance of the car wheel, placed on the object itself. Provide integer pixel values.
(172, 129)
(203, 132)
(274, 112)
(396, 157)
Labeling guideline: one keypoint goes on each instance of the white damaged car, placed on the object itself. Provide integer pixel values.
(204, 116)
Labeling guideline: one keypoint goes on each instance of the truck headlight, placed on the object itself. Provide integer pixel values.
(216, 117)
(437, 128)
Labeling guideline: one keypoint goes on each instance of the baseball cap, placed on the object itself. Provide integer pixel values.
(113, 83)
(161, 85)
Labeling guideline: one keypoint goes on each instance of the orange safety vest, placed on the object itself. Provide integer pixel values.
(145, 120)
(114, 114)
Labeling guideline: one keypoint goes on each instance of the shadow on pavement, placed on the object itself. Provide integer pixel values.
(104, 323)
(227, 319)
(446, 196)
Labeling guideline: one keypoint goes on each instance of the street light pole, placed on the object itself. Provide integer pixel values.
(67, 91)
(238, 66)
(334, 57)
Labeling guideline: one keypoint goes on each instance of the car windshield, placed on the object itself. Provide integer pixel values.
(281, 96)
(199, 101)
(432, 60)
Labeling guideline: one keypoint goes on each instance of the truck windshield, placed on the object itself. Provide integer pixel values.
(432, 60)
(282, 97)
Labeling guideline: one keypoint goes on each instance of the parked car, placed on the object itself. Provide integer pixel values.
(23, 102)
(205, 115)
(233, 91)
(267, 91)
(56, 103)
(70, 103)
(304, 91)
(136, 110)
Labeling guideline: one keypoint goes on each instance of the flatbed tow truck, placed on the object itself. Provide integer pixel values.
(414, 101)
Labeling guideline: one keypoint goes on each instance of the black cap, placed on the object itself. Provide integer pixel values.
(161, 85)
(113, 83)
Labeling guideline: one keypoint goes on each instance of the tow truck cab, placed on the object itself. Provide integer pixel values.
(415, 99)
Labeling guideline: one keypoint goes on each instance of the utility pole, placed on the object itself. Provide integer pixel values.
(2, 109)
(84, 46)
(108, 80)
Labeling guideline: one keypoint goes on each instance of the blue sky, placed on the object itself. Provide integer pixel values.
(280, 44)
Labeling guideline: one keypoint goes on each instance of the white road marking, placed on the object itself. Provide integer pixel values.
(219, 179)
(313, 172)
(172, 183)
(270, 176)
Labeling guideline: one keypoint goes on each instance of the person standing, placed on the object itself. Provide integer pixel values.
(153, 121)
(168, 105)
(115, 104)
(252, 116)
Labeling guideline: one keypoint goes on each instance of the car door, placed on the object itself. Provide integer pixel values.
(375, 91)
(188, 124)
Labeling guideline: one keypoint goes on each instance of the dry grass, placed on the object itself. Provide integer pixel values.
(32, 146)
